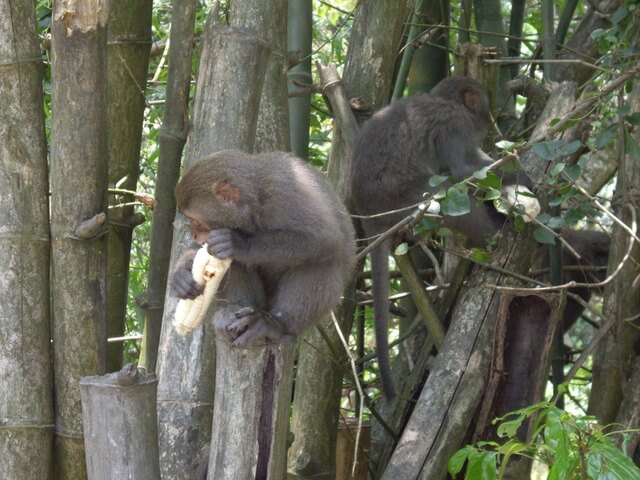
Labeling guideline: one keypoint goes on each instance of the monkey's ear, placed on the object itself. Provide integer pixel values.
(225, 192)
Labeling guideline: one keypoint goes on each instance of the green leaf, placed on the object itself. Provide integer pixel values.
(544, 236)
(547, 150)
(482, 173)
(634, 118)
(445, 232)
(518, 223)
(569, 148)
(512, 165)
(555, 148)
(555, 202)
(603, 139)
(480, 255)
(481, 466)
(426, 224)
(510, 448)
(437, 180)
(510, 428)
(573, 172)
(619, 465)
(457, 201)
(456, 462)
(556, 223)
(490, 181)
(492, 194)
(543, 218)
(633, 150)
(620, 14)
(555, 171)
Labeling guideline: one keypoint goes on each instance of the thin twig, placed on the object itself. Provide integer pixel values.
(356, 380)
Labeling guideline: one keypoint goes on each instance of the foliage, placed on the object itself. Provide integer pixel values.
(574, 447)
(331, 30)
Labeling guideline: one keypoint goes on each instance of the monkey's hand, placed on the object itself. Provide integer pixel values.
(226, 243)
(183, 284)
(207, 271)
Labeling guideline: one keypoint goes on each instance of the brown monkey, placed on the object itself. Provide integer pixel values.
(290, 238)
(396, 152)
(593, 248)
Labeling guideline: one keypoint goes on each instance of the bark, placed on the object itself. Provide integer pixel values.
(516, 24)
(120, 425)
(526, 327)
(299, 29)
(489, 23)
(612, 362)
(129, 44)
(26, 406)
(368, 74)
(172, 137)
(78, 192)
(268, 19)
(456, 382)
(251, 411)
(409, 48)
(581, 46)
(431, 59)
(230, 79)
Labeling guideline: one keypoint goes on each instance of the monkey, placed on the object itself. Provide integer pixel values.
(291, 240)
(593, 248)
(396, 152)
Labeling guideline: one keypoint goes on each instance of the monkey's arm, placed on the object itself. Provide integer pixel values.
(476, 159)
(283, 248)
(182, 283)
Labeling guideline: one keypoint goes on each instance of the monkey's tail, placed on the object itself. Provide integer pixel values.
(380, 289)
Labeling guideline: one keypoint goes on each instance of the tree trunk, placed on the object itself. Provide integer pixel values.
(120, 424)
(268, 19)
(300, 27)
(613, 359)
(172, 137)
(78, 193)
(129, 44)
(26, 406)
(582, 45)
(431, 60)
(251, 411)
(230, 79)
(489, 22)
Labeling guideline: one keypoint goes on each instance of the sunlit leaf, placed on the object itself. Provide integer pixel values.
(457, 201)
(401, 249)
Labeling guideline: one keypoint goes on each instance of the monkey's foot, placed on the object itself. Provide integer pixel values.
(247, 326)
(259, 333)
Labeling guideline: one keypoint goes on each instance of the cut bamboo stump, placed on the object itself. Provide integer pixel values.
(120, 425)
(251, 411)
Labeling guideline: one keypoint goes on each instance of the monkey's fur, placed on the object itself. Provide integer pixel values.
(396, 152)
(593, 248)
(290, 238)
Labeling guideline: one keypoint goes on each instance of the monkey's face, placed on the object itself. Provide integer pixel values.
(199, 227)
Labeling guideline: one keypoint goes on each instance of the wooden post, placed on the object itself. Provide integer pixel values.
(120, 425)
(251, 411)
